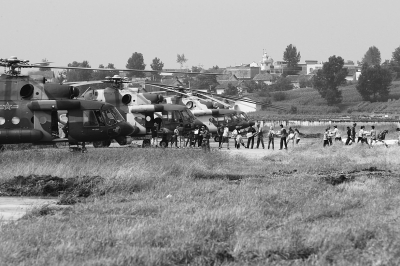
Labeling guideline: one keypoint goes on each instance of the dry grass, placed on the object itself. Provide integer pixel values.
(171, 207)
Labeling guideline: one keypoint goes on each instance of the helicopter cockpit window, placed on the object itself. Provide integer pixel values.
(244, 116)
(178, 116)
(185, 115)
(117, 115)
(110, 120)
(100, 118)
(191, 114)
(89, 119)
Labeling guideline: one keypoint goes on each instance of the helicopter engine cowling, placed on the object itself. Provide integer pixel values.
(207, 103)
(153, 98)
(58, 91)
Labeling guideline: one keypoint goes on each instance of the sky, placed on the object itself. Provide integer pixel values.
(208, 32)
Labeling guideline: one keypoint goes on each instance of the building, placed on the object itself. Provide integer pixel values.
(243, 72)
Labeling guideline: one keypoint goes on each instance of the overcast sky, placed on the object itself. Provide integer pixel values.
(208, 32)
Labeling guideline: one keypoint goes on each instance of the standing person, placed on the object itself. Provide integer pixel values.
(398, 136)
(196, 136)
(283, 135)
(225, 137)
(326, 136)
(353, 133)
(250, 137)
(154, 137)
(330, 136)
(190, 139)
(348, 136)
(181, 136)
(360, 134)
(235, 132)
(290, 136)
(174, 138)
(239, 140)
(271, 134)
(205, 144)
(337, 134)
(220, 132)
(297, 136)
(364, 136)
(201, 136)
(260, 135)
(372, 136)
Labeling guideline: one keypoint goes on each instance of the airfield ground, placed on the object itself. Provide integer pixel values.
(132, 206)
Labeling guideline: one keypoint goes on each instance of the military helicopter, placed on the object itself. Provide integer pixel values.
(30, 111)
(142, 110)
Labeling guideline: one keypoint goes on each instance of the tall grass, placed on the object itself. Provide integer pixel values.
(171, 207)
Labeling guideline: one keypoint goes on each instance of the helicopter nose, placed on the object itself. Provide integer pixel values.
(126, 128)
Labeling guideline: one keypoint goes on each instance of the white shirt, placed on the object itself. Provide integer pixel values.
(226, 132)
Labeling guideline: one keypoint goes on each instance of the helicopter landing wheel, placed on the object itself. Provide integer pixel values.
(163, 144)
(102, 144)
(146, 143)
(216, 138)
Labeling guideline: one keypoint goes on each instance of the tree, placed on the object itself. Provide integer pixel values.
(181, 59)
(329, 78)
(231, 90)
(282, 84)
(372, 56)
(395, 62)
(136, 61)
(79, 75)
(196, 69)
(204, 82)
(292, 57)
(374, 83)
(157, 64)
(101, 75)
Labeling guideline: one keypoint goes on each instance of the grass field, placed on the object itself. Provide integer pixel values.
(308, 206)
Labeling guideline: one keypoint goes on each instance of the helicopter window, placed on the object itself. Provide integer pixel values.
(118, 117)
(178, 116)
(185, 115)
(191, 114)
(110, 120)
(2, 120)
(89, 119)
(100, 118)
(220, 118)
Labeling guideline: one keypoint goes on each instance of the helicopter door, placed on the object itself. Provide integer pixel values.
(42, 121)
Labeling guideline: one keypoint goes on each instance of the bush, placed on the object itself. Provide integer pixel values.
(263, 93)
(279, 96)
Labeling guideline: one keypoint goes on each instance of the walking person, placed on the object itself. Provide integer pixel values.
(250, 137)
(260, 135)
(220, 132)
(271, 136)
(330, 136)
(360, 134)
(154, 135)
(205, 144)
(326, 136)
(398, 136)
(200, 136)
(196, 136)
(297, 136)
(239, 141)
(190, 139)
(174, 138)
(337, 134)
(372, 137)
(364, 136)
(348, 136)
(234, 134)
(283, 135)
(181, 137)
(225, 137)
(290, 136)
(353, 133)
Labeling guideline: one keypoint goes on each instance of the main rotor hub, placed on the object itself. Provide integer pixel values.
(13, 65)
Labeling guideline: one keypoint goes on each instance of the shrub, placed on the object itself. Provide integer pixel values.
(279, 96)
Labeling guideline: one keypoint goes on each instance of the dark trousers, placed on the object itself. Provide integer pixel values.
(348, 140)
(330, 141)
(283, 141)
(200, 141)
(271, 141)
(260, 139)
(220, 140)
(251, 139)
(326, 142)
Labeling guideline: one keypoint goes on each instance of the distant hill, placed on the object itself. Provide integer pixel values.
(308, 101)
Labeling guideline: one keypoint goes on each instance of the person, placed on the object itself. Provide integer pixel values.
(154, 136)
(205, 144)
(364, 136)
(372, 135)
(181, 137)
(234, 134)
(297, 136)
(326, 136)
(190, 139)
(348, 136)
(271, 134)
(239, 141)
(201, 136)
(166, 133)
(337, 135)
(330, 136)
(260, 135)
(283, 135)
(196, 135)
(381, 137)
(250, 137)
(225, 137)
(353, 132)
(220, 132)
(360, 134)
(174, 138)
(290, 136)
(398, 136)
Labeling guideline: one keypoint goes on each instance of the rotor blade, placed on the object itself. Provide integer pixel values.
(215, 100)
(83, 83)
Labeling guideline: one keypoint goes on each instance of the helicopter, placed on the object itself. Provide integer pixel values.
(30, 111)
(142, 110)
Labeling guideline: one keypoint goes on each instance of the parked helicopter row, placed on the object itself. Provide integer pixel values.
(32, 110)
